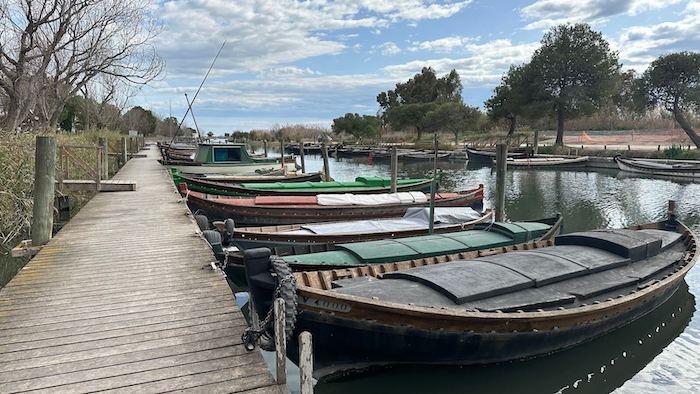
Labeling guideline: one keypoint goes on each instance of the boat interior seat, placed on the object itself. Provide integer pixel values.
(626, 243)
(668, 238)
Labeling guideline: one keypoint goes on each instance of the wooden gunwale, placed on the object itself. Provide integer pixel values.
(384, 312)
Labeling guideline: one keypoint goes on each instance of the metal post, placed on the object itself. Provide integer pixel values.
(265, 147)
(326, 170)
(433, 187)
(125, 151)
(394, 169)
(280, 342)
(105, 157)
(536, 143)
(301, 154)
(306, 363)
(501, 164)
(44, 188)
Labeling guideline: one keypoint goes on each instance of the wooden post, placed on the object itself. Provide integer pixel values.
(306, 363)
(394, 168)
(125, 151)
(61, 169)
(536, 143)
(301, 154)
(98, 168)
(671, 210)
(44, 188)
(658, 148)
(280, 343)
(265, 147)
(105, 157)
(326, 170)
(501, 165)
(433, 188)
(629, 148)
(282, 156)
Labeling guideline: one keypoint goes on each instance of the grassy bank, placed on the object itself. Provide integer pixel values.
(17, 179)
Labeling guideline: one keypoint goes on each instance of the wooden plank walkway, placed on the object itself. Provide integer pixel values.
(119, 301)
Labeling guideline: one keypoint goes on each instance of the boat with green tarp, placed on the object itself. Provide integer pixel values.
(445, 246)
(226, 185)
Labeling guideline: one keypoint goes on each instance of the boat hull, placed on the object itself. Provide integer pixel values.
(345, 345)
(633, 167)
(238, 169)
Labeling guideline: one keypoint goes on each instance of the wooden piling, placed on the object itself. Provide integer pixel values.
(536, 143)
(265, 147)
(501, 165)
(671, 210)
(394, 169)
(44, 188)
(280, 343)
(306, 363)
(105, 157)
(326, 169)
(301, 155)
(433, 187)
(284, 170)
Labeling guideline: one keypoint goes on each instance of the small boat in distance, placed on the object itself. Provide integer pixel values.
(483, 307)
(664, 168)
(489, 156)
(230, 159)
(278, 210)
(548, 162)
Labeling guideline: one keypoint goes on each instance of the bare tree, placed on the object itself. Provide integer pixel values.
(51, 50)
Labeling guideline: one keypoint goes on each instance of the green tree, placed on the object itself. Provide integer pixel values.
(673, 82)
(453, 117)
(359, 126)
(411, 116)
(577, 72)
(516, 96)
(140, 119)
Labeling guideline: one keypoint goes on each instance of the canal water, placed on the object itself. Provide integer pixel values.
(659, 353)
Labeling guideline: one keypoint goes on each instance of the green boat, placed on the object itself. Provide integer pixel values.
(448, 246)
(361, 185)
(230, 159)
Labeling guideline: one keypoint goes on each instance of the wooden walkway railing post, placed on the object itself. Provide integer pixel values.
(44, 188)
(98, 168)
(105, 157)
(536, 143)
(306, 363)
(125, 151)
(280, 343)
(265, 147)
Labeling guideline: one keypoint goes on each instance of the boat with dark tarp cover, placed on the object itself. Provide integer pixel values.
(483, 307)
(276, 210)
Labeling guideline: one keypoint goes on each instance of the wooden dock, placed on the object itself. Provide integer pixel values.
(123, 300)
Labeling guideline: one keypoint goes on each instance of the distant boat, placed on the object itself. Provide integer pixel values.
(490, 156)
(488, 306)
(665, 168)
(277, 210)
(425, 156)
(542, 162)
(231, 159)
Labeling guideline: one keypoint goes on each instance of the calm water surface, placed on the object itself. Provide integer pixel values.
(659, 353)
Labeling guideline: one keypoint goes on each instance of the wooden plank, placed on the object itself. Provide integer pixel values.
(122, 299)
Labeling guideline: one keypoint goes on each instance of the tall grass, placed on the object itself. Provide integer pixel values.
(17, 180)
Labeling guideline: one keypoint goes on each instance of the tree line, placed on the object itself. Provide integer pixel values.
(573, 73)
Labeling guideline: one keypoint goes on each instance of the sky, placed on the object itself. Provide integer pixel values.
(290, 62)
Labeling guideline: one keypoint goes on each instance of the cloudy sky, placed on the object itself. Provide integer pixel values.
(289, 61)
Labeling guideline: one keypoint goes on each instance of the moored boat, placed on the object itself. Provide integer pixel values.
(664, 168)
(229, 185)
(231, 159)
(547, 162)
(274, 210)
(487, 156)
(485, 307)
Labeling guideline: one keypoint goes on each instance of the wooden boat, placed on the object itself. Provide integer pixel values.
(229, 186)
(399, 247)
(666, 168)
(425, 156)
(481, 307)
(273, 210)
(320, 237)
(230, 159)
(490, 156)
(361, 185)
(548, 162)
(275, 176)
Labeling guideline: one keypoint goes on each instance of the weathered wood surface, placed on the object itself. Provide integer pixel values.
(119, 301)
(110, 185)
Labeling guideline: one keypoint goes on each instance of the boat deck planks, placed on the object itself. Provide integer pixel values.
(114, 303)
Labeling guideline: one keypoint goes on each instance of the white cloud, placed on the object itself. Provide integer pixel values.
(543, 14)
(639, 45)
(442, 45)
(388, 48)
(484, 66)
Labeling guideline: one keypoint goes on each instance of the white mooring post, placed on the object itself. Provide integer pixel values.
(306, 363)
(280, 343)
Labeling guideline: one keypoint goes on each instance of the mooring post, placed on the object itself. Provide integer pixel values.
(671, 210)
(125, 151)
(284, 171)
(105, 157)
(536, 143)
(433, 188)
(280, 343)
(265, 147)
(326, 170)
(44, 188)
(306, 363)
(394, 168)
(301, 155)
(501, 165)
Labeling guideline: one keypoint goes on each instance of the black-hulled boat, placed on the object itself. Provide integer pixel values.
(489, 306)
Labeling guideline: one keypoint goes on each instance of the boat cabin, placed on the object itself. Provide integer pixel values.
(221, 153)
